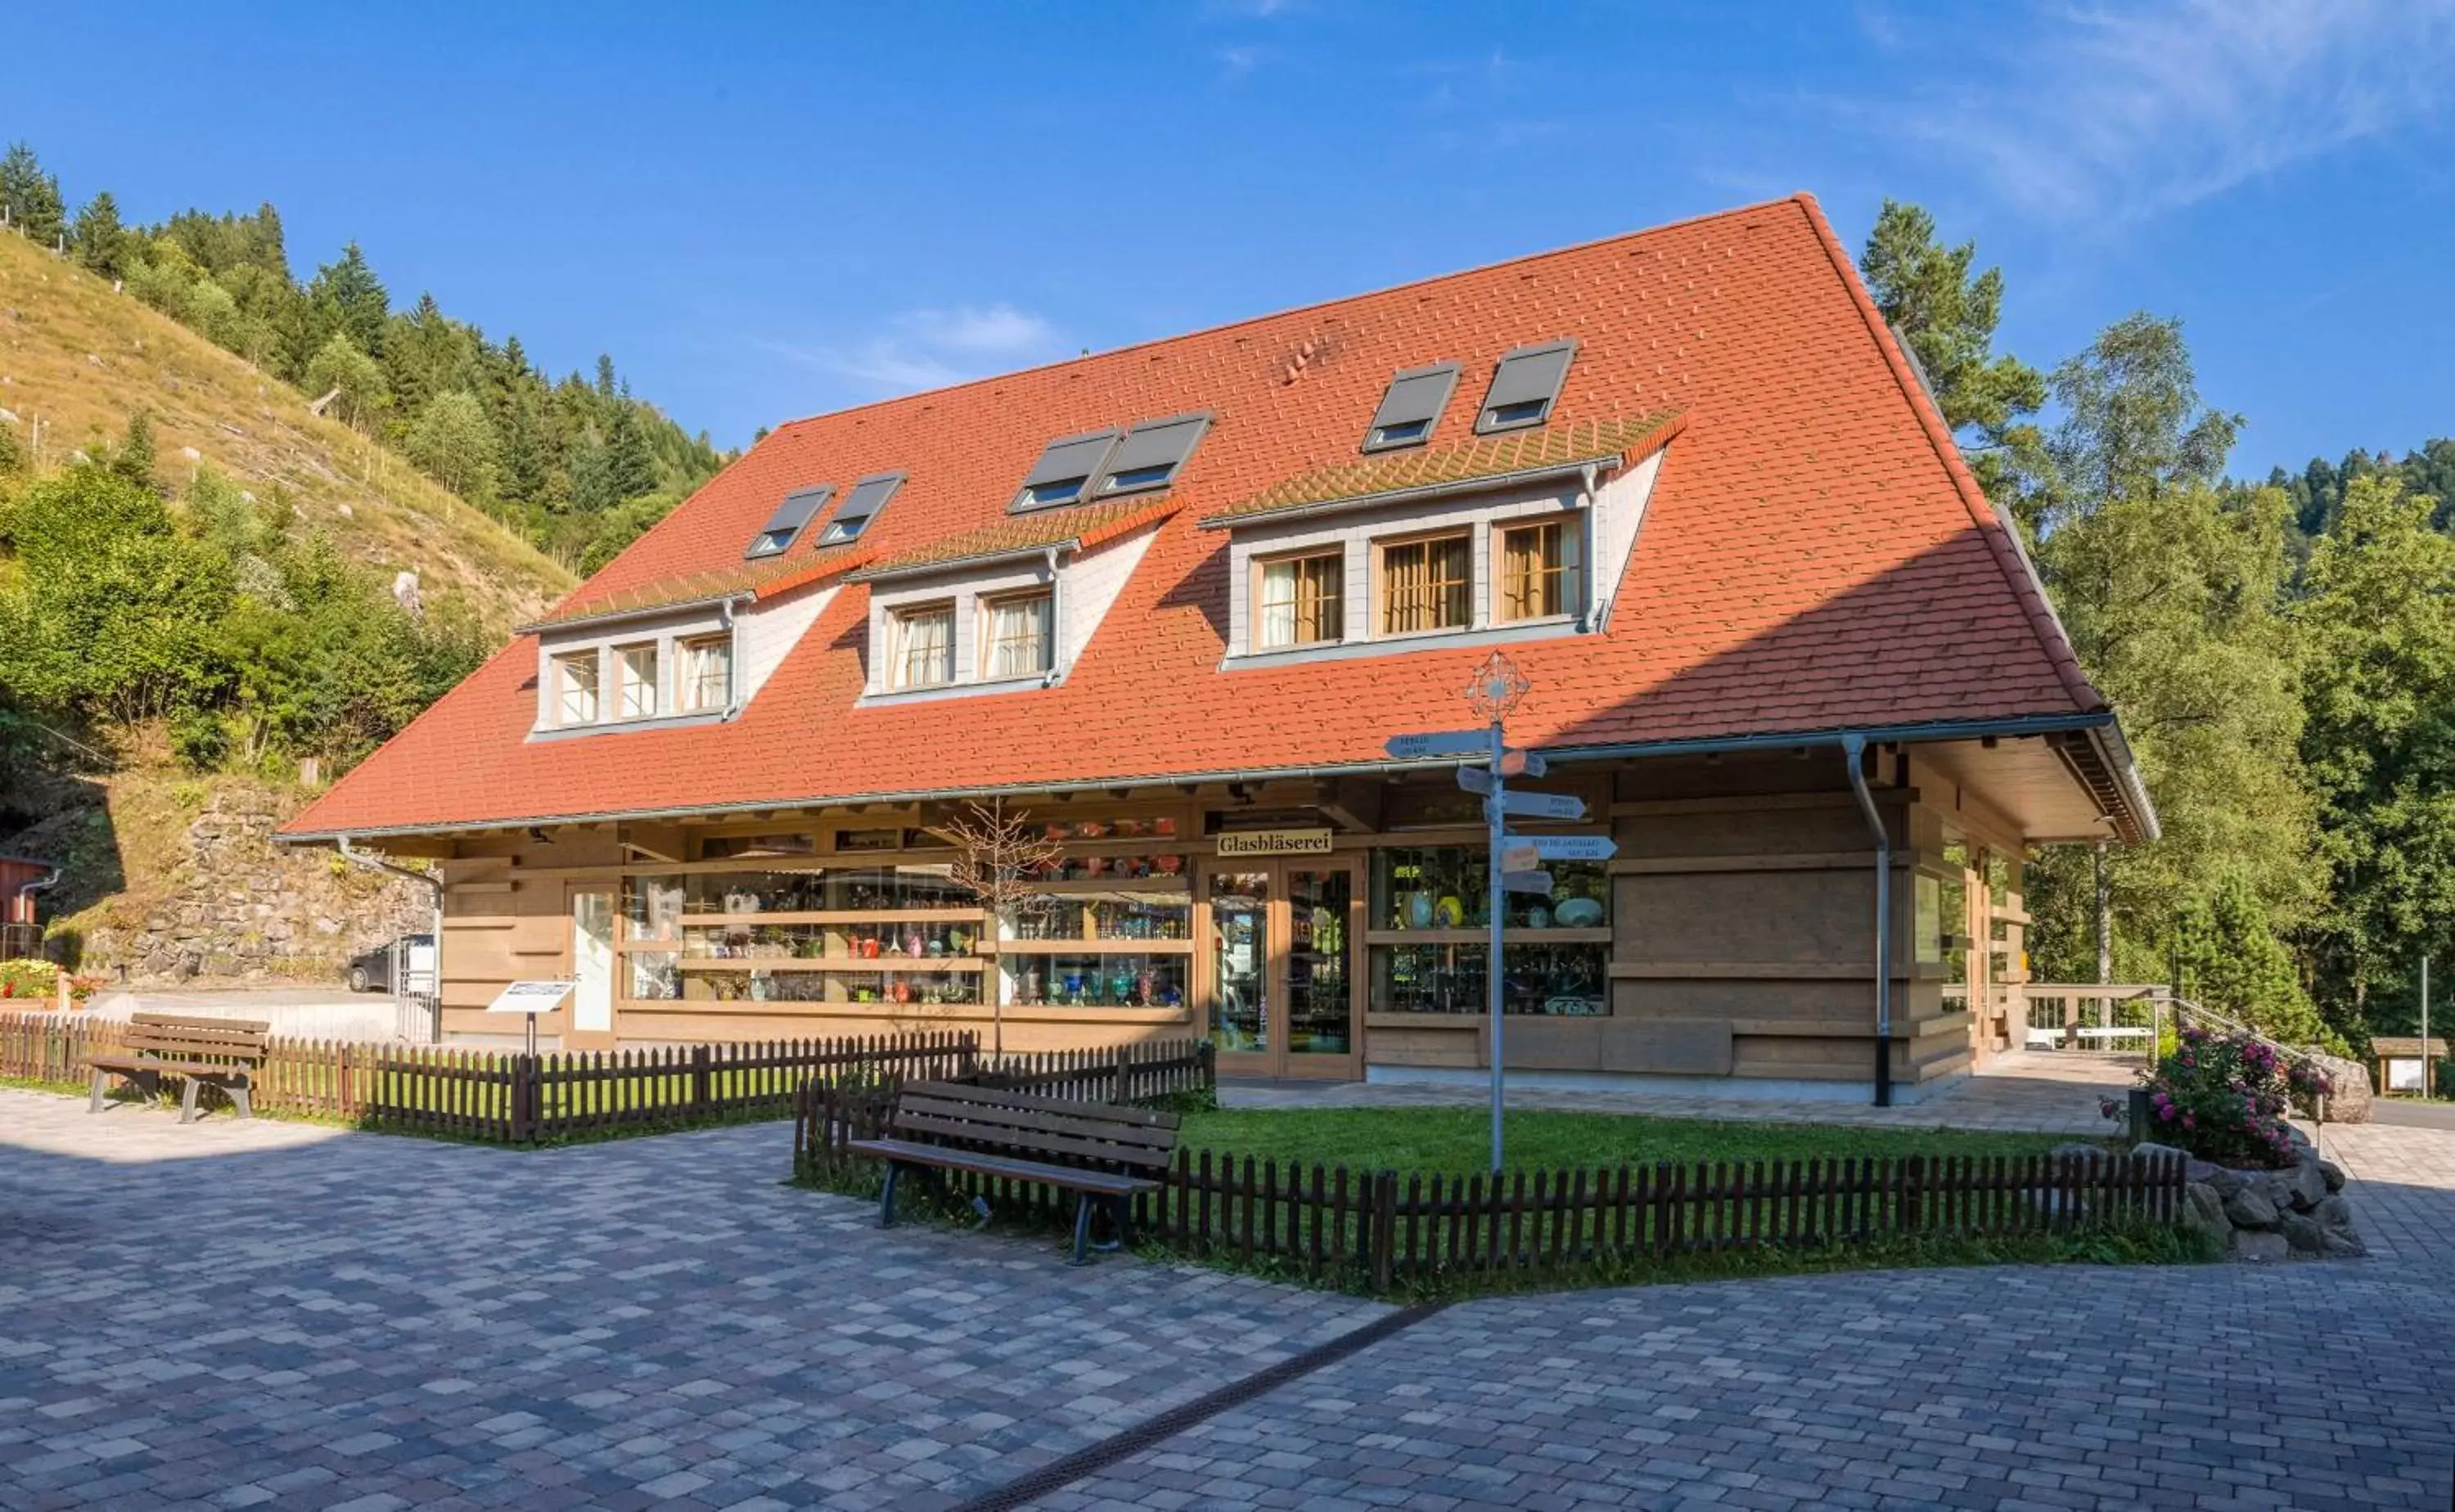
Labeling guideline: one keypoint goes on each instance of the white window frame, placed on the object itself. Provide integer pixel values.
(564, 665)
(695, 656)
(627, 679)
(901, 622)
(1044, 600)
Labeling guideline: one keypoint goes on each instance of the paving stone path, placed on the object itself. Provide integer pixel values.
(232, 1315)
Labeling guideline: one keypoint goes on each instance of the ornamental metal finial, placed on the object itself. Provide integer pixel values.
(1496, 689)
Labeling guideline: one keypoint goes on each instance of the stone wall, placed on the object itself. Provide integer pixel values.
(240, 908)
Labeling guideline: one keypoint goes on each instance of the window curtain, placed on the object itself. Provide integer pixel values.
(928, 648)
(1301, 601)
(1018, 636)
(705, 665)
(639, 682)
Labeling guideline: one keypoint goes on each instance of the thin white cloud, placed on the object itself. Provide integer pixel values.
(2102, 115)
(931, 348)
(1237, 62)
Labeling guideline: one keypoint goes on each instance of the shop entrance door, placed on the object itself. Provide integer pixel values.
(1282, 969)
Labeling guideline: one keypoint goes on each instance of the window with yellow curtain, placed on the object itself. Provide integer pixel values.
(1539, 570)
(1304, 601)
(1427, 585)
(1016, 630)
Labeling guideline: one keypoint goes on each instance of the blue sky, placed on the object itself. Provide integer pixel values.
(765, 212)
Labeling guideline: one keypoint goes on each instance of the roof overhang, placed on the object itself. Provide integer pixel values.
(2089, 744)
(617, 616)
(967, 564)
(1525, 478)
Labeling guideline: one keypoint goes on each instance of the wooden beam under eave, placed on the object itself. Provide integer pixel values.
(1351, 803)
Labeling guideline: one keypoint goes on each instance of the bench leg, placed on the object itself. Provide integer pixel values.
(887, 1198)
(101, 1080)
(188, 1099)
(240, 1097)
(1082, 1229)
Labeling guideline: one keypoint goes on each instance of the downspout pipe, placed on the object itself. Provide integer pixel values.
(1854, 749)
(433, 884)
(26, 891)
(732, 667)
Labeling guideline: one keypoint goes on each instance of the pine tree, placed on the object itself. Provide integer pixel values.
(1947, 319)
(98, 238)
(31, 197)
(630, 466)
(346, 296)
(133, 457)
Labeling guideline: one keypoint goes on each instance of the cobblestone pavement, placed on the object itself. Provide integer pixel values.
(2322, 1385)
(2053, 1092)
(287, 1316)
(231, 1315)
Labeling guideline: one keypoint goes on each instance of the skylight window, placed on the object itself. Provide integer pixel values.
(861, 506)
(1064, 472)
(1151, 453)
(1524, 386)
(786, 525)
(1412, 407)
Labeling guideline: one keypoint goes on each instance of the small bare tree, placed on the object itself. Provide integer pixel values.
(1000, 857)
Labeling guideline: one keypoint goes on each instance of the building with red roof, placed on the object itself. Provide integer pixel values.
(1169, 603)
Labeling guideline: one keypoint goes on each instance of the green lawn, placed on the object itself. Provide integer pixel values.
(1459, 1139)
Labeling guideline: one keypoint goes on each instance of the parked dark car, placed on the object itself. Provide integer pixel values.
(371, 969)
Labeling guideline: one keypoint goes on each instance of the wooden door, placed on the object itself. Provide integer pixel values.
(1281, 970)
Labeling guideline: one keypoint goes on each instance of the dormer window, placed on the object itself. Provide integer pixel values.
(1303, 600)
(784, 526)
(1426, 584)
(861, 506)
(1151, 453)
(1412, 407)
(635, 681)
(1064, 471)
(575, 688)
(922, 650)
(1018, 636)
(1524, 387)
(706, 681)
(1541, 569)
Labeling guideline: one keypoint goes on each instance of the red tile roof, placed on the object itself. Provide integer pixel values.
(1815, 557)
(1085, 527)
(755, 580)
(1470, 462)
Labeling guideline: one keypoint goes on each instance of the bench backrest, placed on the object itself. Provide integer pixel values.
(1103, 1135)
(177, 1037)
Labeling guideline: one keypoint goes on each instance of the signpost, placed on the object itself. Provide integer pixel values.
(1516, 860)
(531, 998)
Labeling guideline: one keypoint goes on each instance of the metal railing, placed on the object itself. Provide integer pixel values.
(2094, 1016)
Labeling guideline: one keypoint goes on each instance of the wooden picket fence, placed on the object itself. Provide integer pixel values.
(1386, 1230)
(1143, 1073)
(508, 1098)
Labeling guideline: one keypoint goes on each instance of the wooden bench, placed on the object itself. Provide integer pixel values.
(225, 1052)
(1102, 1152)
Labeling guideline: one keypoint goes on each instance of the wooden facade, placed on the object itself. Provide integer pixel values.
(1311, 927)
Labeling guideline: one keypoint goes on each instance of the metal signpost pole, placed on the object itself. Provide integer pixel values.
(1495, 823)
(2428, 1066)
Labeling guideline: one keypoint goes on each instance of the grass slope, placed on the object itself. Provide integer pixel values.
(80, 360)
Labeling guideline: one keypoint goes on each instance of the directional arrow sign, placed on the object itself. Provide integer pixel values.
(1475, 779)
(1559, 847)
(1525, 882)
(1516, 763)
(1542, 805)
(1438, 743)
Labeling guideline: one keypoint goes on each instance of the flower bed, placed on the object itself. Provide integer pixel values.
(2224, 1099)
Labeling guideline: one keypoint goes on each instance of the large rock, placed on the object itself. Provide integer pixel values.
(2255, 1245)
(2334, 1217)
(2153, 1150)
(2250, 1208)
(2087, 1155)
(2223, 1177)
(2305, 1186)
(2202, 1209)
(2350, 1101)
(2302, 1235)
(2333, 1175)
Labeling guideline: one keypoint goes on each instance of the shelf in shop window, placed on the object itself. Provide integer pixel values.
(837, 916)
(1095, 947)
(905, 965)
(1180, 882)
(1478, 935)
